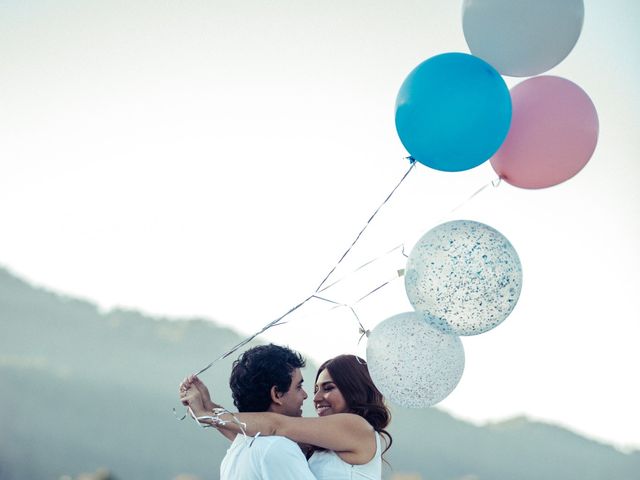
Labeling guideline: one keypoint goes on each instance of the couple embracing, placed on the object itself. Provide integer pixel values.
(345, 441)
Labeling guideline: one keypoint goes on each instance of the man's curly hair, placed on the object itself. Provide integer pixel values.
(257, 370)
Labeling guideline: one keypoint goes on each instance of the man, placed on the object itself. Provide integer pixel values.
(265, 378)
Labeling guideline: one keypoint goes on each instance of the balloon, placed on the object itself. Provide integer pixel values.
(453, 112)
(412, 363)
(465, 275)
(522, 37)
(553, 133)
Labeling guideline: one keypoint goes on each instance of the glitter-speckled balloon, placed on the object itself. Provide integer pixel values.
(466, 275)
(413, 363)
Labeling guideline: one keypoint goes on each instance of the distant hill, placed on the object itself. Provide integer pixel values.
(81, 389)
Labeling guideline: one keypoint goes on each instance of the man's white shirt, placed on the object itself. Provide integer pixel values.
(264, 458)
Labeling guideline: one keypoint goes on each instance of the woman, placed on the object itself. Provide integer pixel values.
(346, 436)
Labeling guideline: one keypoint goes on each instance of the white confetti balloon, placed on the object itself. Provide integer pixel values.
(412, 363)
(465, 275)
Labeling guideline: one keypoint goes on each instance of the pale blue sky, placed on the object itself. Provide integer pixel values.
(216, 158)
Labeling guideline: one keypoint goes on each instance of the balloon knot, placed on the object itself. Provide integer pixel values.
(364, 333)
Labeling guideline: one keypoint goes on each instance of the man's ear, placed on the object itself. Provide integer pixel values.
(275, 396)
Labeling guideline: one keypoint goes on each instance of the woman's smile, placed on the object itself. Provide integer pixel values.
(323, 409)
(327, 398)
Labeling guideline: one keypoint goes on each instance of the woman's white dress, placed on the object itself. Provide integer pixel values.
(327, 465)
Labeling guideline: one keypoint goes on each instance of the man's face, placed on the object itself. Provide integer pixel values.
(292, 399)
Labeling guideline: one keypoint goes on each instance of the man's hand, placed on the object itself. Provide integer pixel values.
(190, 397)
(193, 382)
(195, 395)
(204, 393)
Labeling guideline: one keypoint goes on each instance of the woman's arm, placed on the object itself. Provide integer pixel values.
(349, 435)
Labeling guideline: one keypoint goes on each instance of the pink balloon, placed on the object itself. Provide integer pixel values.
(553, 133)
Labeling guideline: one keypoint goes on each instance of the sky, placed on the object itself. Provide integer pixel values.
(216, 158)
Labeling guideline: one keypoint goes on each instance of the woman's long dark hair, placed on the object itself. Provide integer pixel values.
(351, 375)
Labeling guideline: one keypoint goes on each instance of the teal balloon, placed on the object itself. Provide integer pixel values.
(453, 112)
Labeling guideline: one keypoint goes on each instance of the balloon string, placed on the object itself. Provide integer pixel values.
(400, 274)
(277, 321)
(321, 288)
(400, 247)
(493, 183)
(413, 164)
(369, 262)
(362, 329)
(350, 307)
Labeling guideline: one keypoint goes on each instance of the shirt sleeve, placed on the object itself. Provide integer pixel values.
(284, 461)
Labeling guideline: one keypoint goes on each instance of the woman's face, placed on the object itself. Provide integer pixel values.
(328, 399)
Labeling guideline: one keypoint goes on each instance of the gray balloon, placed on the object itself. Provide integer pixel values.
(465, 275)
(412, 363)
(522, 38)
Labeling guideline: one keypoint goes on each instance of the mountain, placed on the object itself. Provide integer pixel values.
(82, 390)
